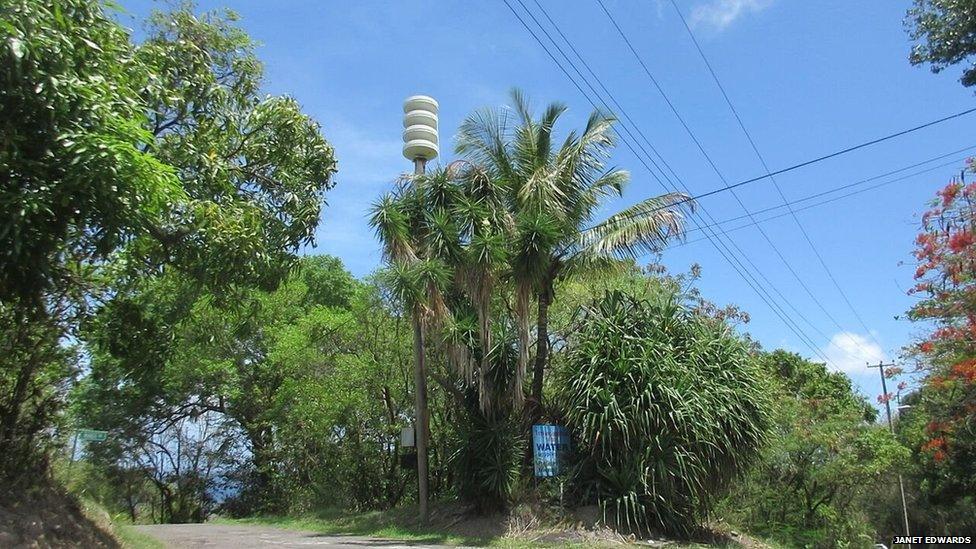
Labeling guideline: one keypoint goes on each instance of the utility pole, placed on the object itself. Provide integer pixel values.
(421, 428)
(420, 145)
(891, 427)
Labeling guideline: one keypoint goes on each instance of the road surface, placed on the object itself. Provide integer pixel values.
(241, 536)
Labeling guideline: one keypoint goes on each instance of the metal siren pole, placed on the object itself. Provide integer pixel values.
(419, 146)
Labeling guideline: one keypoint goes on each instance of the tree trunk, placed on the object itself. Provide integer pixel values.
(522, 318)
(541, 353)
(421, 429)
(264, 495)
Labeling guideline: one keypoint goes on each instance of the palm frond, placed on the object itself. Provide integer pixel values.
(545, 128)
(391, 224)
(483, 138)
(542, 193)
(642, 228)
(522, 106)
(441, 236)
(404, 283)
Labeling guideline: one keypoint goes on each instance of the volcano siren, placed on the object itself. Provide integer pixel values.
(420, 128)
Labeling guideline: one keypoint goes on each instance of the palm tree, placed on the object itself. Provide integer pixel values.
(416, 236)
(551, 196)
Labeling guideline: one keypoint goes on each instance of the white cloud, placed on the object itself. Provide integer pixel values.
(850, 352)
(719, 14)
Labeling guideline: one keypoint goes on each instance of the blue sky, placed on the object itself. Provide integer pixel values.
(807, 78)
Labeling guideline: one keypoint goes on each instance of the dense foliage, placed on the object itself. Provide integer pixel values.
(153, 203)
(77, 178)
(121, 162)
(668, 406)
(74, 186)
(944, 32)
(305, 387)
(471, 245)
(823, 463)
(941, 428)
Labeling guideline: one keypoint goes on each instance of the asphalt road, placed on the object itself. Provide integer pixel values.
(238, 536)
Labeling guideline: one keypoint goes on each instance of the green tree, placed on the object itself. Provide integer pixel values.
(823, 461)
(945, 34)
(76, 184)
(74, 187)
(122, 161)
(551, 194)
(311, 378)
(254, 167)
(232, 360)
(667, 405)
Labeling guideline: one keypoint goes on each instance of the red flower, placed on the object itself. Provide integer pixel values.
(960, 241)
(934, 444)
(949, 193)
(926, 347)
(965, 370)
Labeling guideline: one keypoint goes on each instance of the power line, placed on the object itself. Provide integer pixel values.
(765, 166)
(863, 181)
(820, 158)
(745, 273)
(734, 262)
(816, 204)
(721, 176)
(721, 247)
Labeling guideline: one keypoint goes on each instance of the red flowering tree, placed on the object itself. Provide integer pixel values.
(945, 406)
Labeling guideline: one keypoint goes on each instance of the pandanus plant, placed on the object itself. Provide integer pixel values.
(418, 244)
(549, 196)
(444, 233)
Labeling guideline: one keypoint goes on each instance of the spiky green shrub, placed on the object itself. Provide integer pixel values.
(491, 444)
(489, 459)
(668, 405)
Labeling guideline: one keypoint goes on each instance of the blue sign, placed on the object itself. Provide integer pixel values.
(550, 447)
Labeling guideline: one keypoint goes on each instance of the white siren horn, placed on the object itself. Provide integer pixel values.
(420, 128)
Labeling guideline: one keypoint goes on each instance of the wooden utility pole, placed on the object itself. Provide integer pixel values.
(421, 429)
(891, 427)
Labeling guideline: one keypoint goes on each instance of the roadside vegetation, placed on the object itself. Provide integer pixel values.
(153, 208)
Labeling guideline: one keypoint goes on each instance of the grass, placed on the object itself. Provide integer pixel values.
(399, 524)
(127, 536)
(394, 524)
(130, 538)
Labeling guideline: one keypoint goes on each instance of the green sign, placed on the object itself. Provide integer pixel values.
(91, 435)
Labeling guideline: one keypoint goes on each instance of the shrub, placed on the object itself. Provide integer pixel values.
(489, 459)
(668, 406)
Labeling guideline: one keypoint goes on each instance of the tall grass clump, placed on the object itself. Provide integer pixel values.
(487, 463)
(668, 405)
